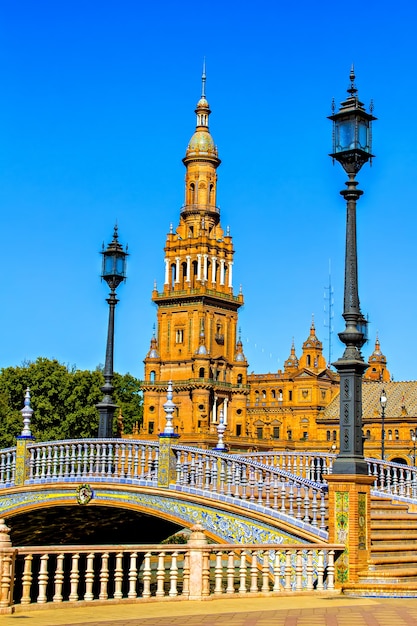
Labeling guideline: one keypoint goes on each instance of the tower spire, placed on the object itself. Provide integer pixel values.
(203, 80)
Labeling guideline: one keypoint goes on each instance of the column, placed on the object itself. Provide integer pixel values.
(222, 271)
(205, 277)
(213, 269)
(166, 272)
(198, 266)
(230, 274)
(177, 269)
(188, 279)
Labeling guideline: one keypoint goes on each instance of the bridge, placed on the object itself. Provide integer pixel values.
(268, 514)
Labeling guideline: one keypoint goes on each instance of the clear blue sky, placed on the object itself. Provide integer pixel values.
(96, 110)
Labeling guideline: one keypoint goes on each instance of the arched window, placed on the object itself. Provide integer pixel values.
(153, 376)
(263, 394)
(201, 372)
(368, 435)
(390, 435)
(328, 435)
(273, 394)
(239, 379)
(173, 274)
(308, 360)
(334, 435)
(397, 434)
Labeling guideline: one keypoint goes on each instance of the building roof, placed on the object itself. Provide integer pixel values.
(401, 400)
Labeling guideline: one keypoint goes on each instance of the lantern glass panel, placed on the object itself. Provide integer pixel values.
(120, 265)
(108, 268)
(345, 136)
(363, 143)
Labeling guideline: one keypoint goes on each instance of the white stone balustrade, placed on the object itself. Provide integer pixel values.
(192, 571)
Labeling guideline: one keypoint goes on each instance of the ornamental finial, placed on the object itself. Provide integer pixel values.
(203, 79)
(352, 89)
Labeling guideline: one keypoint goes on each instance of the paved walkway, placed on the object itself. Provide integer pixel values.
(285, 611)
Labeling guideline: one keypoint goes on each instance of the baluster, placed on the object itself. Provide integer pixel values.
(207, 473)
(283, 497)
(13, 466)
(288, 569)
(31, 465)
(74, 578)
(67, 460)
(265, 572)
(89, 578)
(401, 482)
(117, 463)
(142, 462)
(111, 461)
(43, 579)
(242, 572)
(320, 571)
(267, 489)
(322, 511)
(49, 462)
(160, 576)
(58, 578)
(277, 572)
(218, 574)
(73, 460)
(205, 590)
(155, 465)
(236, 479)
(133, 575)
(192, 470)
(104, 576)
(2, 469)
(229, 478)
(199, 472)
(330, 570)
(299, 570)
(61, 462)
(27, 579)
(394, 472)
(298, 501)
(103, 460)
(129, 461)
(260, 483)
(251, 484)
(173, 576)
(43, 463)
(180, 476)
(147, 576)
(6, 598)
(291, 500)
(118, 576)
(230, 588)
(243, 481)
(275, 490)
(37, 464)
(186, 576)
(85, 460)
(314, 508)
(98, 460)
(254, 572)
(222, 476)
(306, 517)
(79, 460)
(91, 458)
(135, 462)
(214, 474)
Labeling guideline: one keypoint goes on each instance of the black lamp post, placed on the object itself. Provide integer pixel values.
(352, 141)
(113, 272)
(383, 403)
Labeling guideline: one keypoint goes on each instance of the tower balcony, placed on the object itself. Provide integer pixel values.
(203, 209)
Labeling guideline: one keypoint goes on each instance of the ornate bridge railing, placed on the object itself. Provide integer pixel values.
(390, 479)
(38, 575)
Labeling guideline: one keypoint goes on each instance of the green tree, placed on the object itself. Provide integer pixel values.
(63, 399)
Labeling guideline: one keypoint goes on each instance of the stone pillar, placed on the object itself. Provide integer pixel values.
(7, 563)
(196, 544)
(167, 462)
(350, 523)
(22, 441)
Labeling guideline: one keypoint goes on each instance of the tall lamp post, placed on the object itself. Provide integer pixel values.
(383, 403)
(352, 139)
(113, 272)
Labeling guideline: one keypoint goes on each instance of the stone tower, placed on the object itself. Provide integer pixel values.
(196, 344)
